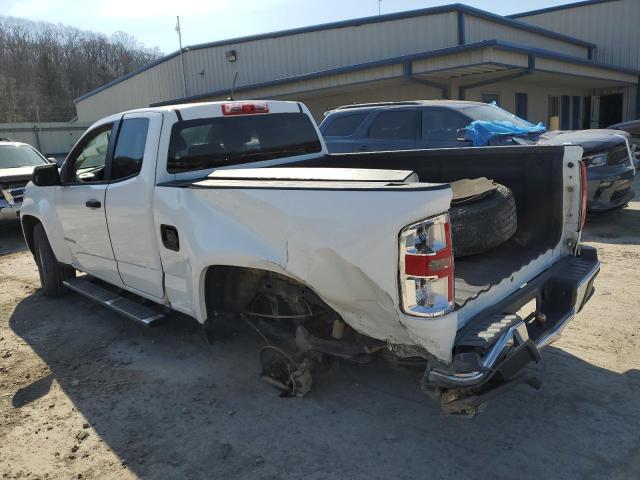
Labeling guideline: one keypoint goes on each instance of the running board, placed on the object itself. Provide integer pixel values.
(148, 316)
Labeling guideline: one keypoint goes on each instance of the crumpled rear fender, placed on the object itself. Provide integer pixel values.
(343, 245)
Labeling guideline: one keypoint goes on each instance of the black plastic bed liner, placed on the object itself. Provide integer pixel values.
(476, 274)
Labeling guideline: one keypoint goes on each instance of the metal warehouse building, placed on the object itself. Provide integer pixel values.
(578, 63)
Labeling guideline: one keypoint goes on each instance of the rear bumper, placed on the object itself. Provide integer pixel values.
(493, 350)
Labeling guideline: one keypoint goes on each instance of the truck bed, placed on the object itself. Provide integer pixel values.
(476, 275)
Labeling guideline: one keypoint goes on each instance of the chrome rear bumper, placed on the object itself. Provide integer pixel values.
(495, 347)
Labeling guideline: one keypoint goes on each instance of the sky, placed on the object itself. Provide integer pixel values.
(152, 22)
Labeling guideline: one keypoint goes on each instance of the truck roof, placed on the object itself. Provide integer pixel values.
(193, 106)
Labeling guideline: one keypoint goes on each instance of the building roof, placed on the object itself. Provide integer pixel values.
(583, 3)
(457, 7)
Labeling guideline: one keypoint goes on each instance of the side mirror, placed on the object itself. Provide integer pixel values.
(46, 175)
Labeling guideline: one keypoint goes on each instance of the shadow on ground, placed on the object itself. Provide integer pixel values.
(11, 239)
(172, 406)
(618, 227)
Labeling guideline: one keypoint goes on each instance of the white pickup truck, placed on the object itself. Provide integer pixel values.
(345, 255)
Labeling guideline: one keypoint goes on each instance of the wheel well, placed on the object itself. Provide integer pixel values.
(232, 289)
(28, 224)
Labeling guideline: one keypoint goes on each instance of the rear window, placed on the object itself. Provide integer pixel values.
(344, 125)
(218, 141)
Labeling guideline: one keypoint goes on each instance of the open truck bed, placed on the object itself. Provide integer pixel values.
(534, 174)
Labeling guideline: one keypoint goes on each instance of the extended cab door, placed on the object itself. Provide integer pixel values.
(79, 204)
(129, 203)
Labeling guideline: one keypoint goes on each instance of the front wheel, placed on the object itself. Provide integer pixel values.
(52, 273)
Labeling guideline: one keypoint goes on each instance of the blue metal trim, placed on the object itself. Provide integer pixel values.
(539, 52)
(461, 32)
(589, 77)
(532, 52)
(584, 3)
(476, 12)
(457, 7)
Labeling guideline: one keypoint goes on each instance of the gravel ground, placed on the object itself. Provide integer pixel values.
(85, 393)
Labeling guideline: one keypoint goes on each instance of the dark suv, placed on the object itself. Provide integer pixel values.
(405, 125)
(425, 124)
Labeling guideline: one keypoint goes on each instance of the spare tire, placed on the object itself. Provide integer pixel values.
(484, 222)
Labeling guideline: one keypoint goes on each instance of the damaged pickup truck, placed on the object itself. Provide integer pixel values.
(324, 256)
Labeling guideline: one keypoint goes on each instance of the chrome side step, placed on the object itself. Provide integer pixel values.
(148, 316)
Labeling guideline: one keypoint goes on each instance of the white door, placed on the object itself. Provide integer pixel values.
(129, 203)
(79, 203)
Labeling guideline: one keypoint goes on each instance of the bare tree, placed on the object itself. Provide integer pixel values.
(48, 65)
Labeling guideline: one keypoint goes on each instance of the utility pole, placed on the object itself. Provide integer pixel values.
(379, 5)
(184, 75)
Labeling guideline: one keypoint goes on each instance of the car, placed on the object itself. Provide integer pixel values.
(632, 127)
(234, 213)
(425, 124)
(17, 162)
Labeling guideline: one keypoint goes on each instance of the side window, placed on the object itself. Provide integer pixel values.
(129, 151)
(344, 125)
(89, 164)
(442, 125)
(398, 124)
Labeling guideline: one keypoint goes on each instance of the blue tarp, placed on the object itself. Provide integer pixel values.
(480, 132)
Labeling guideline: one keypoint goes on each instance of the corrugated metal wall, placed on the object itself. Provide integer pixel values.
(158, 83)
(278, 57)
(478, 29)
(288, 56)
(52, 138)
(613, 26)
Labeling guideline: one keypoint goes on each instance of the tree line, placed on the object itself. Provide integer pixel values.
(44, 66)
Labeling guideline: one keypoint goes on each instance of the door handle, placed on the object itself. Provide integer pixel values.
(93, 203)
(363, 148)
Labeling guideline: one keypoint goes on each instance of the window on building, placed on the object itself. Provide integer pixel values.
(399, 124)
(575, 112)
(522, 101)
(127, 158)
(565, 112)
(489, 97)
(344, 125)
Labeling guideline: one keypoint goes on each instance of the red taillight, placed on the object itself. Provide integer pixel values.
(244, 108)
(584, 200)
(426, 268)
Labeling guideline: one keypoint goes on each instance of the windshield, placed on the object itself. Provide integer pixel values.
(217, 141)
(16, 156)
(490, 113)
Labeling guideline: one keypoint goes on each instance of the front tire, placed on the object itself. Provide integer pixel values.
(52, 273)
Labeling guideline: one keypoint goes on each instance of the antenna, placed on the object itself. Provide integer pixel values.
(184, 75)
(233, 86)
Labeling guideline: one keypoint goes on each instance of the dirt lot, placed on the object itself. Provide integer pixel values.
(85, 393)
